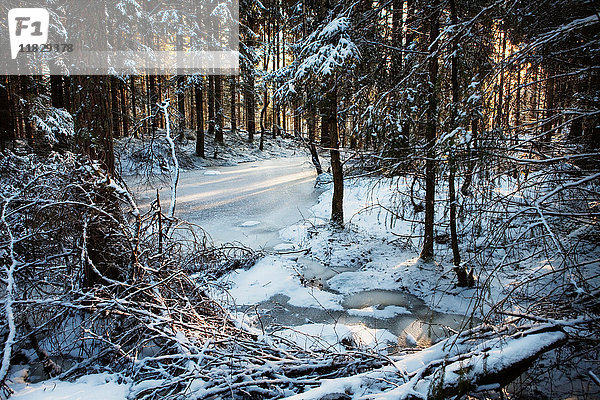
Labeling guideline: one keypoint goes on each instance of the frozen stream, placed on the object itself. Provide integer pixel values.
(250, 203)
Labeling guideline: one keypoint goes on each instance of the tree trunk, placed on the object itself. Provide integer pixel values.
(94, 119)
(56, 91)
(181, 105)
(461, 272)
(153, 100)
(199, 119)
(330, 121)
(263, 116)
(549, 113)
(250, 106)
(211, 106)
(233, 91)
(311, 122)
(297, 120)
(124, 116)
(6, 117)
(219, 109)
(115, 109)
(430, 132)
(133, 103)
(397, 13)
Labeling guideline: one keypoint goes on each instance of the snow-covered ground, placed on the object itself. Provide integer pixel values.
(89, 387)
(370, 270)
(357, 281)
(361, 288)
(152, 157)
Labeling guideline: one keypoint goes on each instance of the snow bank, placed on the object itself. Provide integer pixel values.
(88, 387)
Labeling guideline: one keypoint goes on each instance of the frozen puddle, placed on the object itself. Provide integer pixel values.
(294, 301)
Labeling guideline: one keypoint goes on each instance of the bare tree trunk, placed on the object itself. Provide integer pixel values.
(56, 91)
(250, 106)
(124, 116)
(211, 106)
(219, 109)
(233, 91)
(263, 116)
(95, 119)
(461, 272)
(153, 100)
(549, 112)
(199, 119)
(115, 109)
(466, 187)
(296, 120)
(430, 131)
(397, 13)
(6, 117)
(337, 202)
(311, 122)
(133, 102)
(181, 105)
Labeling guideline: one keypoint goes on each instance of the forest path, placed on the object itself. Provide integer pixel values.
(249, 202)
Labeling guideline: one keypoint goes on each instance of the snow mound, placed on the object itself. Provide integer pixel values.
(271, 276)
(212, 172)
(299, 233)
(323, 180)
(284, 247)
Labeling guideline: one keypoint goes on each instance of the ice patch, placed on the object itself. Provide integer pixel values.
(248, 224)
(337, 337)
(386, 312)
(360, 281)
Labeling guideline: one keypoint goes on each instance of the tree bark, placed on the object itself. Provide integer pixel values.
(199, 119)
(397, 13)
(211, 106)
(461, 272)
(181, 105)
(6, 117)
(94, 121)
(124, 116)
(430, 132)
(133, 103)
(233, 91)
(56, 91)
(250, 105)
(311, 122)
(337, 202)
(219, 109)
(263, 116)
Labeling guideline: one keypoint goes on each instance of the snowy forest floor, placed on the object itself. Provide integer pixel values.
(362, 289)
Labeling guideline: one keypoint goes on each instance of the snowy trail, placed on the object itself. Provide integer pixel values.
(249, 202)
